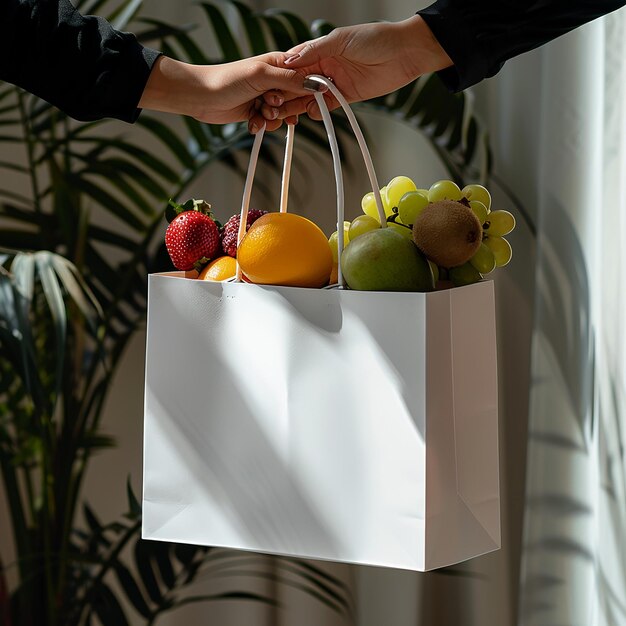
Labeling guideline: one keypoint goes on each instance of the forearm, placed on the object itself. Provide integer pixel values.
(78, 63)
(171, 87)
(479, 36)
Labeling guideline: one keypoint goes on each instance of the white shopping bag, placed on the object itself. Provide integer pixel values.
(343, 425)
(322, 423)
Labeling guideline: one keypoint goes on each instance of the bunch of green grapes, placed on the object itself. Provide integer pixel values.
(495, 250)
(391, 196)
(403, 201)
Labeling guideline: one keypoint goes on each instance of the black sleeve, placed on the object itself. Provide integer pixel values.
(81, 64)
(480, 35)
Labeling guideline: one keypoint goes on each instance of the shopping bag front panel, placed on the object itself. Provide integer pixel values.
(295, 424)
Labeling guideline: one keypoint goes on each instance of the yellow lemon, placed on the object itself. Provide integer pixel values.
(285, 249)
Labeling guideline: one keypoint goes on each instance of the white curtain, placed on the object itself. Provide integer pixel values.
(574, 555)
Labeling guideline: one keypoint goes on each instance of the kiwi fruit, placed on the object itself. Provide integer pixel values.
(448, 233)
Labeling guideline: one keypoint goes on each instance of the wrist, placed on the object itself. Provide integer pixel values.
(172, 86)
(421, 52)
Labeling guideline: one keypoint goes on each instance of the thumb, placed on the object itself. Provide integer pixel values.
(312, 52)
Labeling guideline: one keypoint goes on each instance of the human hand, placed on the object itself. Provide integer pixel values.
(365, 61)
(246, 90)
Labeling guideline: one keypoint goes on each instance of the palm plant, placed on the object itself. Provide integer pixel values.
(72, 293)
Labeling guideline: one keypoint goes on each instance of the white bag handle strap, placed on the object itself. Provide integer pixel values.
(334, 148)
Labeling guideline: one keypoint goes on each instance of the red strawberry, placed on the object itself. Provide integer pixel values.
(190, 237)
(231, 230)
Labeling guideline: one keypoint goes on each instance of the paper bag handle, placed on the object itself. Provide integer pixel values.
(334, 149)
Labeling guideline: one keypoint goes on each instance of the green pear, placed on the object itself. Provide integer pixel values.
(384, 260)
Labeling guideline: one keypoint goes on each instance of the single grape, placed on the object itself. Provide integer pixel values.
(480, 210)
(444, 190)
(424, 191)
(499, 223)
(405, 231)
(411, 205)
(479, 193)
(397, 187)
(368, 204)
(465, 274)
(501, 249)
(386, 203)
(484, 260)
(361, 225)
(333, 243)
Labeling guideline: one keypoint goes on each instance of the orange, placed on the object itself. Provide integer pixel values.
(285, 249)
(334, 275)
(219, 269)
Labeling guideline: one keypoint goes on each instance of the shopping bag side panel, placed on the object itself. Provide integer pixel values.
(443, 525)
(462, 502)
(474, 363)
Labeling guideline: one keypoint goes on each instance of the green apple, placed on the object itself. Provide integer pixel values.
(384, 260)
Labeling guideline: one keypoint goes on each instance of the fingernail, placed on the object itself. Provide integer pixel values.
(273, 114)
(292, 58)
(254, 128)
(277, 101)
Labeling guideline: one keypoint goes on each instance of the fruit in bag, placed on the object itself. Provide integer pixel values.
(384, 260)
(285, 249)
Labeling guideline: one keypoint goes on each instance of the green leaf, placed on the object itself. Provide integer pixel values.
(112, 238)
(228, 595)
(124, 13)
(131, 589)
(185, 553)
(283, 38)
(252, 26)
(97, 441)
(107, 607)
(319, 28)
(91, 519)
(23, 270)
(143, 561)
(117, 179)
(198, 133)
(11, 139)
(138, 175)
(228, 45)
(77, 289)
(300, 32)
(10, 165)
(107, 201)
(166, 570)
(134, 507)
(160, 31)
(180, 36)
(54, 298)
(144, 157)
(20, 239)
(168, 138)
(8, 91)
